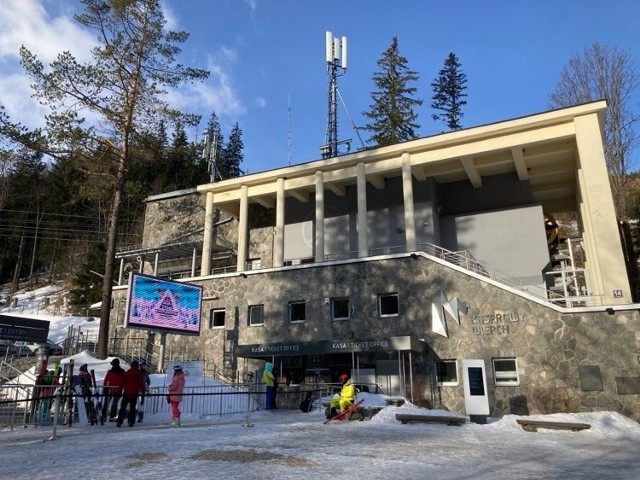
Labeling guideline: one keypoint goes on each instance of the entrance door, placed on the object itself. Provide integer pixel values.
(388, 377)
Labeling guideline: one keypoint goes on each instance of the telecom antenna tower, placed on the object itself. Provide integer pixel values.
(209, 154)
(336, 58)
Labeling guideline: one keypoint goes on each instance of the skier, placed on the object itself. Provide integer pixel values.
(346, 398)
(147, 382)
(85, 381)
(132, 386)
(112, 385)
(175, 394)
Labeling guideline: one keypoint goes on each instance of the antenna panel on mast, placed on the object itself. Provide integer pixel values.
(336, 58)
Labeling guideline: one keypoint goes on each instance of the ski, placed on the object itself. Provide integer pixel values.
(98, 408)
(68, 392)
(346, 413)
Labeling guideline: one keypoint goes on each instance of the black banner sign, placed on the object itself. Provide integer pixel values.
(23, 329)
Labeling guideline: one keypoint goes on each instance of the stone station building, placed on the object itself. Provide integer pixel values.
(478, 265)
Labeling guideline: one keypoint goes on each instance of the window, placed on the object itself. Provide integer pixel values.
(256, 315)
(388, 305)
(217, 317)
(254, 264)
(447, 372)
(297, 311)
(340, 309)
(505, 372)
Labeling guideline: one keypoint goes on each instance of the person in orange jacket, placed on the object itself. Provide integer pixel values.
(132, 385)
(176, 388)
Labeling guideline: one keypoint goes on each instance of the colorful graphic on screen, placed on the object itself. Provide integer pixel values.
(163, 305)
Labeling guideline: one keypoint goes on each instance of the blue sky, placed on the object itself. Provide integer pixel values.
(268, 62)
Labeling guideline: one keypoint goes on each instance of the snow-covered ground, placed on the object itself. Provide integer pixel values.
(290, 444)
(294, 445)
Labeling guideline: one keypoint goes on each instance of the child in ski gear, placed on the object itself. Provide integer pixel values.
(270, 380)
(147, 382)
(132, 386)
(176, 388)
(111, 386)
(347, 396)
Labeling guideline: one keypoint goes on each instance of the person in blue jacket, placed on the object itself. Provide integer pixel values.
(270, 380)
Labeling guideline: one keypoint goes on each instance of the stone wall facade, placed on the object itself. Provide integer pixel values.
(553, 347)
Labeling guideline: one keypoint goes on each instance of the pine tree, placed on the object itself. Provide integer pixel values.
(448, 93)
(392, 114)
(123, 87)
(216, 143)
(232, 154)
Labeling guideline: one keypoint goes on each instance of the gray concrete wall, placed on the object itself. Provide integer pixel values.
(510, 241)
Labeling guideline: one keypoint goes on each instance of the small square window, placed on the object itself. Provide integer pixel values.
(297, 311)
(388, 305)
(217, 318)
(340, 309)
(447, 372)
(256, 315)
(505, 372)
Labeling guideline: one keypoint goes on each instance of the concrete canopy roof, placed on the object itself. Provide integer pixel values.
(540, 149)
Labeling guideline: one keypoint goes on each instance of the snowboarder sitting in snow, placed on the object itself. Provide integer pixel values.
(346, 398)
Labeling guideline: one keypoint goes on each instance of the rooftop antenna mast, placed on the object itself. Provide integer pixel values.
(336, 58)
(209, 154)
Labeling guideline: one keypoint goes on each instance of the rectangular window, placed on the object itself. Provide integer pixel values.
(297, 311)
(505, 372)
(256, 315)
(447, 372)
(254, 264)
(388, 305)
(340, 309)
(217, 317)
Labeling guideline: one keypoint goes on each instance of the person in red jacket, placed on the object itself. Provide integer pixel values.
(132, 386)
(175, 393)
(111, 387)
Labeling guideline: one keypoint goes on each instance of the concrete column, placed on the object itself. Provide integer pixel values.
(121, 274)
(278, 254)
(363, 238)
(242, 229)
(319, 217)
(409, 215)
(595, 192)
(205, 261)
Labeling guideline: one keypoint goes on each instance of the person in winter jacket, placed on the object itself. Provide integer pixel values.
(347, 396)
(147, 382)
(176, 388)
(270, 380)
(132, 386)
(111, 387)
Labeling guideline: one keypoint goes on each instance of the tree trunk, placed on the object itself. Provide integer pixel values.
(107, 283)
